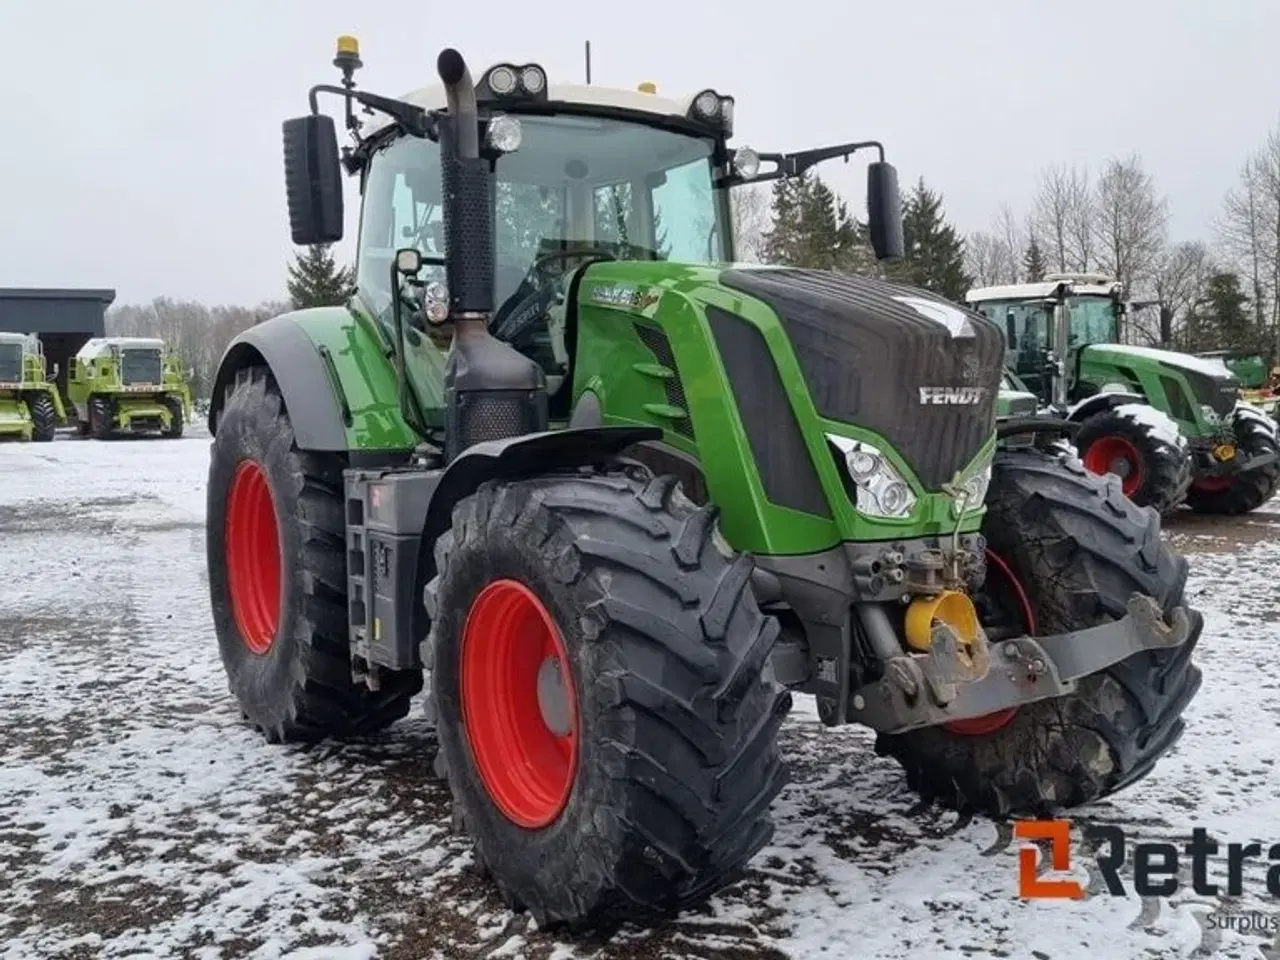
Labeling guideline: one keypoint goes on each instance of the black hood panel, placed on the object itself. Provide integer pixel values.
(917, 369)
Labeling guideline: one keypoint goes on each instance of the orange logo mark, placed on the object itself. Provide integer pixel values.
(1030, 886)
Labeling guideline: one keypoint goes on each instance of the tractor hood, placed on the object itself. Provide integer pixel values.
(1213, 384)
(917, 370)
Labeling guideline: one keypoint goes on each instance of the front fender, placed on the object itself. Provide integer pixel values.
(309, 389)
(1102, 401)
(524, 456)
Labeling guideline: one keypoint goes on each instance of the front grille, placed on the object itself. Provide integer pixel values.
(10, 362)
(874, 354)
(1216, 392)
(777, 445)
(140, 367)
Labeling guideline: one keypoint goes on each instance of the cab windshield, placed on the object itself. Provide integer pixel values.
(600, 186)
(1091, 320)
(10, 362)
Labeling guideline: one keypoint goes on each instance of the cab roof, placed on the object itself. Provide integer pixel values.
(101, 346)
(565, 94)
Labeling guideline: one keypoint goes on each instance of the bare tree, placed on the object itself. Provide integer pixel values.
(1062, 218)
(1178, 283)
(749, 206)
(1130, 222)
(986, 259)
(1249, 231)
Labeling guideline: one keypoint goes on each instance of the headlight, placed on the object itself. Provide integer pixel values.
(504, 134)
(880, 489)
(1210, 415)
(973, 492)
(746, 162)
(502, 80)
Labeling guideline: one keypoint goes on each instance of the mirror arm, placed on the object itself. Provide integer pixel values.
(794, 164)
(414, 120)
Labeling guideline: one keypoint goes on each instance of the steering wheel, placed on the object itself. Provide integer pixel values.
(537, 292)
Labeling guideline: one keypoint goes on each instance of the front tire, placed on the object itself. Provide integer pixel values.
(102, 418)
(655, 758)
(44, 418)
(174, 430)
(1154, 470)
(277, 577)
(1245, 492)
(1067, 551)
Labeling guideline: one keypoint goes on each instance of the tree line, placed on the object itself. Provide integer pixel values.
(1218, 292)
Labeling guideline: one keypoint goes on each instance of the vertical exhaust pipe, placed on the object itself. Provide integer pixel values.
(490, 390)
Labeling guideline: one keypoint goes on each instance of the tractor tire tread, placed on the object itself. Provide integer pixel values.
(1252, 488)
(1082, 549)
(44, 418)
(312, 696)
(685, 766)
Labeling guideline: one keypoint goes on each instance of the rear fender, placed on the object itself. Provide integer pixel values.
(308, 387)
(1102, 401)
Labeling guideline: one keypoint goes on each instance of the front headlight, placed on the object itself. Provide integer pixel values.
(972, 491)
(880, 489)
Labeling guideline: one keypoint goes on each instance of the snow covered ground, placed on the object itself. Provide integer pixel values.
(140, 818)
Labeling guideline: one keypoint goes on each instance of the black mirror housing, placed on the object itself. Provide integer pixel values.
(313, 180)
(884, 211)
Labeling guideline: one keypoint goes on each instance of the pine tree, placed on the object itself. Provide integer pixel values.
(812, 227)
(1227, 314)
(1033, 264)
(316, 280)
(934, 252)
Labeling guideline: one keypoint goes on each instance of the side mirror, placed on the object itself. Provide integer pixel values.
(313, 180)
(408, 261)
(884, 211)
(1011, 330)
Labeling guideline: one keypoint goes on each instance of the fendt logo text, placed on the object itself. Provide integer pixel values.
(1155, 865)
(961, 395)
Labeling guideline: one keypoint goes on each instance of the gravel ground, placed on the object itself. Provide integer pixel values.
(140, 818)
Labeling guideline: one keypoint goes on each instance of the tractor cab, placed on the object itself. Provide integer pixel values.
(13, 349)
(1084, 308)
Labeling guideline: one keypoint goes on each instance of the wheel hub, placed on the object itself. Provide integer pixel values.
(553, 700)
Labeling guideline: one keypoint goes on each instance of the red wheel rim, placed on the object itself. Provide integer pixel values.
(518, 704)
(253, 557)
(1116, 455)
(1212, 484)
(991, 722)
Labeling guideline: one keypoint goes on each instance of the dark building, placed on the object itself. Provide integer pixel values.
(63, 319)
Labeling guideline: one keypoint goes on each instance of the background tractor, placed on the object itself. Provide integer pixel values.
(615, 497)
(30, 407)
(1258, 387)
(1170, 425)
(129, 385)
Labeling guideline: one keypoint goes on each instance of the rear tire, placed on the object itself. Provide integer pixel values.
(174, 430)
(675, 759)
(1078, 549)
(277, 577)
(1255, 434)
(1163, 470)
(44, 418)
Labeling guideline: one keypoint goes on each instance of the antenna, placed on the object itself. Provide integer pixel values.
(588, 51)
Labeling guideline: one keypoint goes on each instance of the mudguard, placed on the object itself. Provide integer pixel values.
(308, 386)
(1102, 401)
(533, 453)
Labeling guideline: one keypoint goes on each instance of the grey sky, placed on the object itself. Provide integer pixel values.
(142, 147)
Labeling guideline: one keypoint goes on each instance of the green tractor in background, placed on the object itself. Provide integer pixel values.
(129, 386)
(30, 407)
(1258, 386)
(613, 497)
(1172, 426)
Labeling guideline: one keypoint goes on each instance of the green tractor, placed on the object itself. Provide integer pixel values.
(612, 498)
(30, 407)
(1172, 426)
(129, 385)
(1258, 386)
